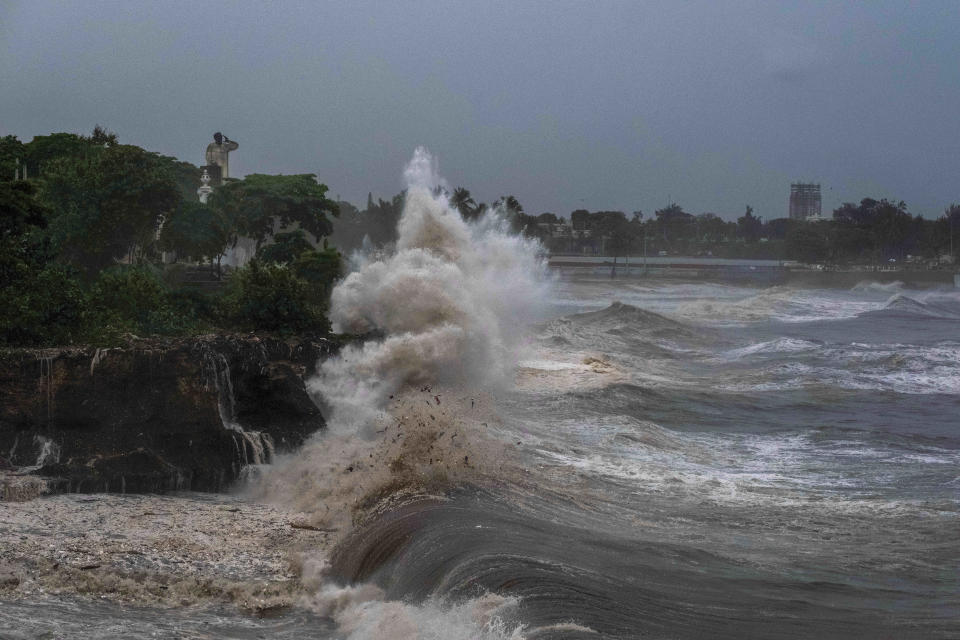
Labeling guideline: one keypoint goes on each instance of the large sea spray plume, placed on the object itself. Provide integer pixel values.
(408, 410)
(450, 301)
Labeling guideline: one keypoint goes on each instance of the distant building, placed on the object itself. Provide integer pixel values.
(804, 201)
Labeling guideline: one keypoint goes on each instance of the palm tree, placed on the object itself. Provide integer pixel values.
(462, 201)
(510, 204)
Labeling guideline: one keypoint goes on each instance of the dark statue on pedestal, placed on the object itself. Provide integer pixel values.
(218, 160)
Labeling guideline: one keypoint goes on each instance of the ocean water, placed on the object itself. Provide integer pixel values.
(695, 461)
(707, 461)
(523, 456)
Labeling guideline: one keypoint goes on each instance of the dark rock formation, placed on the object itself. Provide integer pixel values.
(156, 415)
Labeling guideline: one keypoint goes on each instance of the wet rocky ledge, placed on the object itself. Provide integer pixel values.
(153, 415)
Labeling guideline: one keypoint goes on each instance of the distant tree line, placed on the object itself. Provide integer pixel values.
(871, 232)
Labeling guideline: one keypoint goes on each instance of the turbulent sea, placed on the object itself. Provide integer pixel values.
(662, 460)
(708, 461)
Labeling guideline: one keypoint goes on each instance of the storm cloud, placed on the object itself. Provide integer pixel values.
(611, 105)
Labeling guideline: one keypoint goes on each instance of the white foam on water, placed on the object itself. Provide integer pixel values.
(882, 287)
(780, 345)
(362, 612)
(775, 471)
(452, 301)
(782, 304)
(898, 368)
(372, 618)
(550, 365)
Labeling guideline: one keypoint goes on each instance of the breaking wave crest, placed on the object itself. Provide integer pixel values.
(881, 287)
(905, 305)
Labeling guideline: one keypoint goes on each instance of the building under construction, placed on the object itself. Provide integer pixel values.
(804, 201)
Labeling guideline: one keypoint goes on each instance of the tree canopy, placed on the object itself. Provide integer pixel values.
(106, 203)
(196, 231)
(259, 205)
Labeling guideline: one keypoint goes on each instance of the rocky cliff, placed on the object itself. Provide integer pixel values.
(154, 416)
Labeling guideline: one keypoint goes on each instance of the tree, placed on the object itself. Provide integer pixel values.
(674, 224)
(579, 219)
(880, 225)
(508, 204)
(102, 137)
(106, 203)
(711, 228)
(952, 217)
(272, 297)
(40, 302)
(380, 220)
(20, 211)
(749, 226)
(462, 201)
(285, 248)
(619, 236)
(548, 218)
(808, 242)
(44, 149)
(195, 230)
(11, 151)
(126, 298)
(777, 228)
(259, 204)
(321, 269)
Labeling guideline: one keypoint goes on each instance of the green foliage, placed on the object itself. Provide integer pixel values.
(285, 248)
(106, 203)
(40, 302)
(43, 150)
(20, 211)
(508, 203)
(673, 225)
(808, 242)
(321, 269)
(258, 204)
(185, 175)
(272, 297)
(712, 228)
(132, 294)
(749, 226)
(134, 300)
(41, 307)
(102, 137)
(381, 219)
(91, 201)
(195, 231)
(11, 150)
(462, 201)
(621, 237)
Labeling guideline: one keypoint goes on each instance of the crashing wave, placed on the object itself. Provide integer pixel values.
(881, 287)
(619, 319)
(905, 305)
(451, 302)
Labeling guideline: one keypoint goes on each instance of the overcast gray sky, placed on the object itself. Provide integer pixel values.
(603, 105)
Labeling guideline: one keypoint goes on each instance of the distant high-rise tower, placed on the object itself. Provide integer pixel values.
(804, 201)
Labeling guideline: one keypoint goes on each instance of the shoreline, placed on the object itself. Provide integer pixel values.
(759, 272)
